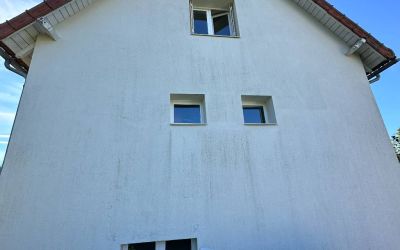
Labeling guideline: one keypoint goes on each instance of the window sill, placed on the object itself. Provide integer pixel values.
(194, 34)
(188, 124)
(260, 124)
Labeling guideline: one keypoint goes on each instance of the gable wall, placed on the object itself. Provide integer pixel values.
(96, 162)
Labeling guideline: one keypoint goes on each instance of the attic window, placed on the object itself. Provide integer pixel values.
(213, 17)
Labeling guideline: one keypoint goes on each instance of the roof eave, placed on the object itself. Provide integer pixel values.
(358, 30)
(375, 56)
(29, 16)
(382, 57)
(18, 35)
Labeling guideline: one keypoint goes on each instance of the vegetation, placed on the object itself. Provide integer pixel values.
(396, 143)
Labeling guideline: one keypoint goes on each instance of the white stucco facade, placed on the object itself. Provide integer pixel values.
(94, 163)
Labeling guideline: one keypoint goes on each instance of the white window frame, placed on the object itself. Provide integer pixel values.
(210, 21)
(254, 105)
(161, 245)
(188, 99)
(260, 101)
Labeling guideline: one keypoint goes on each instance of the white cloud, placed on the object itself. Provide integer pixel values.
(7, 117)
(10, 93)
(4, 136)
(2, 67)
(12, 8)
(2, 154)
(8, 97)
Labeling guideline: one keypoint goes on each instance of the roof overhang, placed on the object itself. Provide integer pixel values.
(375, 56)
(18, 35)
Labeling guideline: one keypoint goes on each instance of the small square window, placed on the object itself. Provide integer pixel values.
(258, 110)
(213, 17)
(187, 244)
(187, 109)
(253, 114)
(142, 246)
(179, 245)
(187, 113)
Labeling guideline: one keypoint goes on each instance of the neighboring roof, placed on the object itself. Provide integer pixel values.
(18, 35)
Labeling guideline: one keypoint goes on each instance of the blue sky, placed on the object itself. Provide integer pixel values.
(381, 18)
(10, 83)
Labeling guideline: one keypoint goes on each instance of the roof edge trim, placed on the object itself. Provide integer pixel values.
(357, 29)
(29, 16)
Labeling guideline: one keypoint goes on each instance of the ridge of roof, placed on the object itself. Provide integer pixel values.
(357, 29)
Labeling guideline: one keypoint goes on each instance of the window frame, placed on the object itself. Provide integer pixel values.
(188, 99)
(225, 13)
(126, 247)
(263, 114)
(232, 20)
(208, 22)
(161, 245)
(191, 105)
(192, 242)
(260, 101)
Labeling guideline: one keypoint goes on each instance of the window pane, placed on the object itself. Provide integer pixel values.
(221, 23)
(200, 22)
(253, 114)
(142, 246)
(178, 245)
(187, 113)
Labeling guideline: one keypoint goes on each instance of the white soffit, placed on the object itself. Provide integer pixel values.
(22, 42)
(369, 56)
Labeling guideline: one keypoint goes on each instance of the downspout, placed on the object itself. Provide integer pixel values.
(8, 64)
(374, 76)
(375, 79)
(11, 65)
